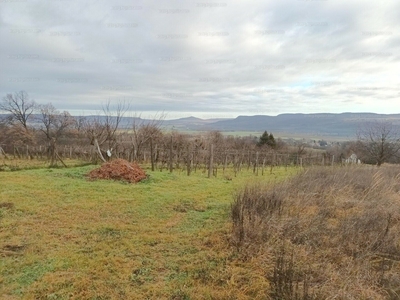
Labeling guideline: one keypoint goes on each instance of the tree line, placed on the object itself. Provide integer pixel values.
(28, 123)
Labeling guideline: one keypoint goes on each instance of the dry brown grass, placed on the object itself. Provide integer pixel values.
(324, 234)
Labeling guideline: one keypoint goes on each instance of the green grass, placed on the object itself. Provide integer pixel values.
(164, 238)
(16, 164)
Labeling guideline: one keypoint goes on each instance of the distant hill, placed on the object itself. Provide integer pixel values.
(324, 124)
(327, 125)
(190, 123)
(344, 125)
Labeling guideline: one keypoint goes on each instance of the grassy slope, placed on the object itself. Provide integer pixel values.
(165, 238)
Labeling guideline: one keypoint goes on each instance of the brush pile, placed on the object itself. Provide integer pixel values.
(119, 169)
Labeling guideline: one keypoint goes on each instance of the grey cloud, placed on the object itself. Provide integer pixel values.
(203, 56)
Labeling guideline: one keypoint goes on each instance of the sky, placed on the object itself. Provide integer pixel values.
(208, 59)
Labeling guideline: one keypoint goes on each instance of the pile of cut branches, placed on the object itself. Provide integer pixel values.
(119, 169)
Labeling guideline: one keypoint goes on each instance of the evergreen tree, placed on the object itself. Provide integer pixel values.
(267, 139)
(264, 139)
(271, 141)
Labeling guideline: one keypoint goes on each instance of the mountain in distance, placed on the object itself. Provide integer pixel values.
(324, 125)
(344, 125)
(190, 123)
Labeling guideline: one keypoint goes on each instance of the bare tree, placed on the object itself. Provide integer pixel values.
(20, 110)
(301, 147)
(53, 125)
(215, 138)
(102, 130)
(378, 141)
(19, 106)
(144, 132)
(94, 129)
(16, 135)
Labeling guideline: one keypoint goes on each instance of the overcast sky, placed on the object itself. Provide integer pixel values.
(204, 58)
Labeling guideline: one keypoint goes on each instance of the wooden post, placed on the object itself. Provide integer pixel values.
(256, 165)
(189, 163)
(91, 155)
(225, 162)
(272, 164)
(249, 160)
(156, 156)
(263, 164)
(301, 162)
(286, 161)
(235, 163)
(3, 152)
(151, 154)
(17, 151)
(178, 156)
(194, 157)
(273, 161)
(333, 159)
(210, 162)
(171, 167)
(58, 156)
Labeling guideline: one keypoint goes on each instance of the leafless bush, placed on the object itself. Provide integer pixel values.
(343, 226)
(251, 214)
(287, 281)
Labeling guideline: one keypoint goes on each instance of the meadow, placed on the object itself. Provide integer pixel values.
(292, 233)
(168, 237)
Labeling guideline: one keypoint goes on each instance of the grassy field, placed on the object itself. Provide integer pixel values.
(15, 164)
(64, 237)
(282, 135)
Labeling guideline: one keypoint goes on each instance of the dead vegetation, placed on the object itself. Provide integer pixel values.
(119, 169)
(12, 250)
(7, 205)
(324, 234)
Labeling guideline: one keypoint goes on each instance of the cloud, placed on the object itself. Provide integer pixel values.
(203, 57)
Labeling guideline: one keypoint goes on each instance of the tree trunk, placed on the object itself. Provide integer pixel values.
(96, 144)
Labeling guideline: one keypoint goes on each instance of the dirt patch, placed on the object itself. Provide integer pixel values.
(11, 250)
(186, 205)
(119, 169)
(7, 205)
